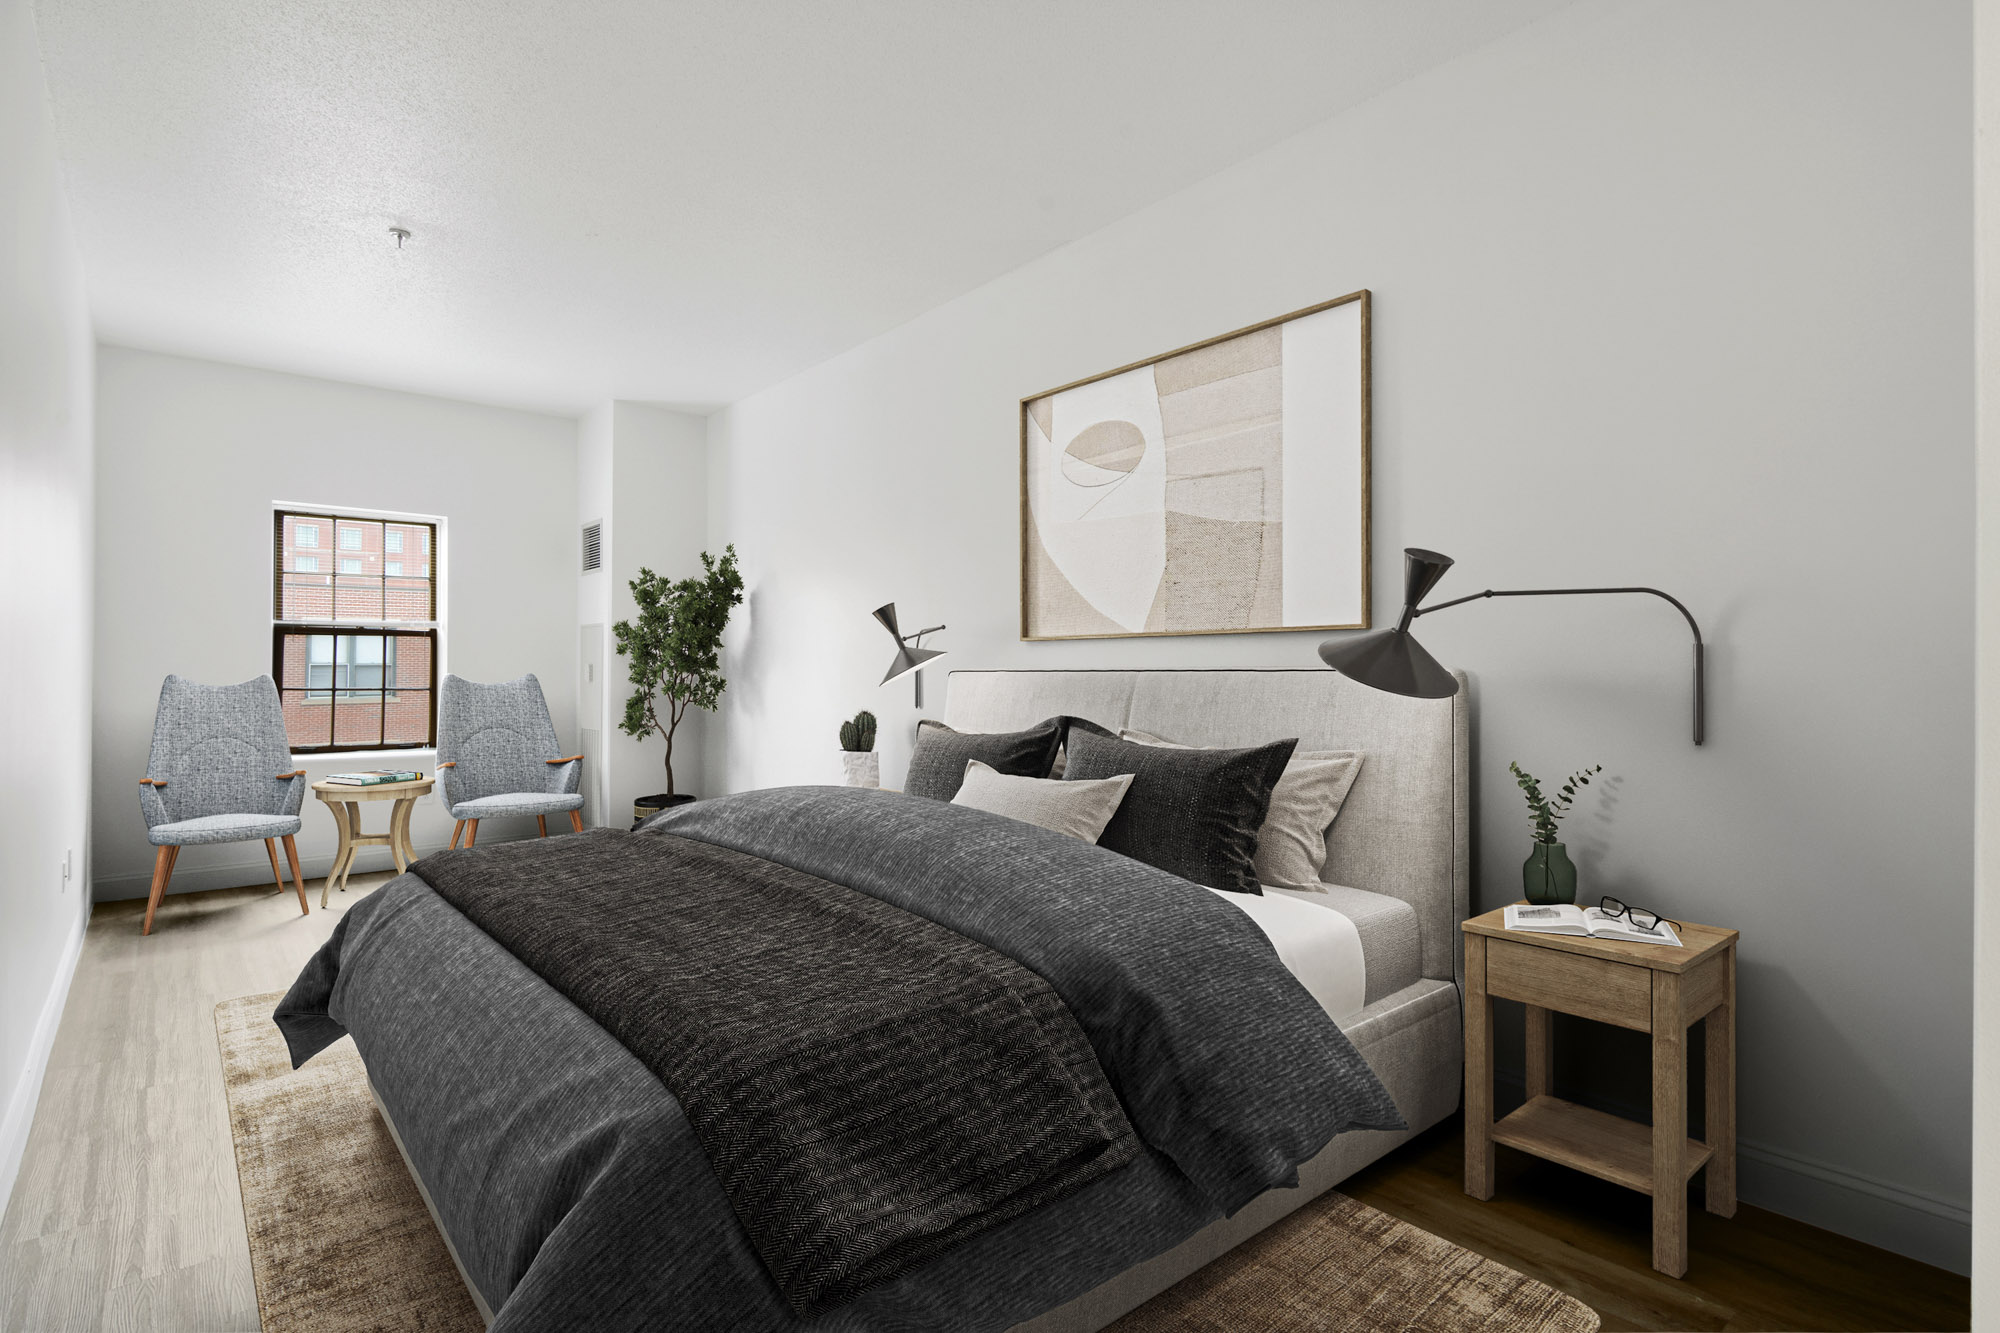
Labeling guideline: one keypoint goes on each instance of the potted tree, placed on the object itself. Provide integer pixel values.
(861, 766)
(675, 647)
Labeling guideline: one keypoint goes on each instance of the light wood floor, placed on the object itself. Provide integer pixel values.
(127, 1214)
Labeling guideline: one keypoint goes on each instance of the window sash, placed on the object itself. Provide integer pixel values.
(343, 679)
(317, 594)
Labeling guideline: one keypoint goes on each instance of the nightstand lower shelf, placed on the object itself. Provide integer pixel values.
(1607, 1146)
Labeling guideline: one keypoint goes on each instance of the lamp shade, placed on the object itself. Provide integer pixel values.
(908, 659)
(908, 656)
(1421, 571)
(1391, 660)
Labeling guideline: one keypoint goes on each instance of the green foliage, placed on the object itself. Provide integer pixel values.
(1543, 813)
(858, 736)
(676, 647)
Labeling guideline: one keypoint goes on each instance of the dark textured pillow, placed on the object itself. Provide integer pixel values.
(937, 764)
(1078, 724)
(1192, 813)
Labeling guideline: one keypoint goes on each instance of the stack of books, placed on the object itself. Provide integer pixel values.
(374, 777)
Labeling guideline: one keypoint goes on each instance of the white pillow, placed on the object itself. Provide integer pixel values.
(1291, 844)
(1079, 809)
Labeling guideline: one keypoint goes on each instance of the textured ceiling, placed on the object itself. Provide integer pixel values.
(673, 202)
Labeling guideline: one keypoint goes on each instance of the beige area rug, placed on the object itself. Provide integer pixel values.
(1336, 1265)
(340, 1239)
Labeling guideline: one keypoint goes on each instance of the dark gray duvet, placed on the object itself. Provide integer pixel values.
(578, 1195)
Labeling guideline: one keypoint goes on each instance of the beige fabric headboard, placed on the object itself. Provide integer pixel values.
(1405, 828)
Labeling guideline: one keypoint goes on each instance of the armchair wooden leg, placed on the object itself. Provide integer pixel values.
(457, 831)
(162, 866)
(271, 849)
(298, 880)
(576, 821)
(471, 832)
(542, 823)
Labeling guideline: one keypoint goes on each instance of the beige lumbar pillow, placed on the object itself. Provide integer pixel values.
(1291, 844)
(1079, 809)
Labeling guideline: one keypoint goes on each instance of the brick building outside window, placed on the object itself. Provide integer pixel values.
(354, 649)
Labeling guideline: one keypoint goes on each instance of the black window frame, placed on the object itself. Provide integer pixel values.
(380, 697)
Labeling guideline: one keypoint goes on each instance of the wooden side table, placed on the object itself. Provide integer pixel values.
(1646, 988)
(345, 803)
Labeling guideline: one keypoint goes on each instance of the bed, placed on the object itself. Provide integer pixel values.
(570, 1187)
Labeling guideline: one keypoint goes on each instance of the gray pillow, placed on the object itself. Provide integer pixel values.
(1078, 809)
(1192, 813)
(937, 764)
(1070, 723)
(1291, 845)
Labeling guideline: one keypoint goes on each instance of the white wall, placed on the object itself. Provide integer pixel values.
(1986, 1025)
(1667, 293)
(193, 453)
(594, 718)
(642, 470)
(659, 516)
(45, 555)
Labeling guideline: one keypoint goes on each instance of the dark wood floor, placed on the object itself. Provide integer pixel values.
(1593, 1240)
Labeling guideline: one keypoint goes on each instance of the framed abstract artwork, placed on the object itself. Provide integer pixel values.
(1218, 489)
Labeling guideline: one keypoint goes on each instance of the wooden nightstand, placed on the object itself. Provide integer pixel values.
(1640, 986)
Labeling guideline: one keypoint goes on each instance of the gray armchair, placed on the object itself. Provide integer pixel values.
(219, 773)
(497, 755)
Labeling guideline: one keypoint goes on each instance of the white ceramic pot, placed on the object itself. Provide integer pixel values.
(863, 769)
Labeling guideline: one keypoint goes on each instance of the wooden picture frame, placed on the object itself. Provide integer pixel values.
(1175, 495)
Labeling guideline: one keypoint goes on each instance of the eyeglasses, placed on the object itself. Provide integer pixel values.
(1638, 916)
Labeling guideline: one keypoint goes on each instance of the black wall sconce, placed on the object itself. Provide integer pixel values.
(1394, 661)
(910, 652)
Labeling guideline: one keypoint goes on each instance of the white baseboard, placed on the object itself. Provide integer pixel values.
(243, 870)
(1890, 1216)
(20, 1117)
(1905, 1221)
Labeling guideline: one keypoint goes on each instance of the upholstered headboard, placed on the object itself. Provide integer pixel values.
(1405, 828)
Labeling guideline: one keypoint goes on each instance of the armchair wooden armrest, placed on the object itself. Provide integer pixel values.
(152, 782)
(287, 777)
(570, 759)
(449, 763)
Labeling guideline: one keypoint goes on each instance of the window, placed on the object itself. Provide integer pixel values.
(354, 652)
(354, 665)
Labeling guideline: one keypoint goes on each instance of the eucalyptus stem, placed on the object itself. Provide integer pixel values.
(1544, 812)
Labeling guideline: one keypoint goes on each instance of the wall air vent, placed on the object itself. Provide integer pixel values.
(593, 547)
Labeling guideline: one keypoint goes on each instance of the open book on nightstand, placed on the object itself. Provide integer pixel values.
(1563, 919)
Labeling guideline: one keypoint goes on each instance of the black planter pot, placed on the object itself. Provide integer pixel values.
(652, 805)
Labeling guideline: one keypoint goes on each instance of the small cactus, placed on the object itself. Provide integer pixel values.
(858, 736)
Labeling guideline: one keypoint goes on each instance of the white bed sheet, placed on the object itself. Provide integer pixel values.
(1316, 944)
